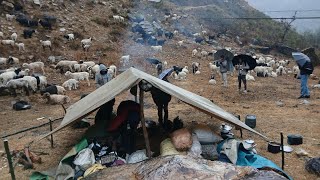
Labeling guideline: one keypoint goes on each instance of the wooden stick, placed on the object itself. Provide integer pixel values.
(6, 146)
(51, 136)
(145, 132)
(282, 152)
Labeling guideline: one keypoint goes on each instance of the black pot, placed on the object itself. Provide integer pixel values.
(273, 147)
(294, 139)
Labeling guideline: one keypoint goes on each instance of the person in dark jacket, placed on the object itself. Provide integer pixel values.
(304, 76)
(161, 99)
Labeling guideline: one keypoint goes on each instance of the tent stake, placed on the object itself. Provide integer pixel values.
(51, 136)
(6, 146)
(145, 133)
(282, 152)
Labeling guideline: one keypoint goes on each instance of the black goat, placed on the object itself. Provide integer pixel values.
(32, 23)
(45, 24)
(27, 33)
(168, 34)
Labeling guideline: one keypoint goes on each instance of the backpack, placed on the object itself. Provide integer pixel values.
(308, 67)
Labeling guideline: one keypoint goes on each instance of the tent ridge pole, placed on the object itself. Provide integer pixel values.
(145, 132)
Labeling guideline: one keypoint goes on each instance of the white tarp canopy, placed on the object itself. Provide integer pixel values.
(132, 77)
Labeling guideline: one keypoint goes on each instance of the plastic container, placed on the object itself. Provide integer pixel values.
(251, 121)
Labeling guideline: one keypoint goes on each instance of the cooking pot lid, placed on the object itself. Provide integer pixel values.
(287, 149)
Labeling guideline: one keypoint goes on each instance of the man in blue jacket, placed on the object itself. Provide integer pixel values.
(102, 77)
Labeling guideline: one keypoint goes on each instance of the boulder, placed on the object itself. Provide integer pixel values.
(183, 167)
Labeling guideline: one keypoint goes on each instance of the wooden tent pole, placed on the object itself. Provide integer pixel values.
(143, 122)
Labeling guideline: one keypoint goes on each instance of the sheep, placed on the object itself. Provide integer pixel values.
(262, 70)
(78, 76)
(93, 70)
(7, 76)
(80, 67)
(14, 36)
(86, 41)
(41, 81)
(197, 72)
(249, 77)
(165, 64)
(157, 48)
(45, 44)
(88, 63)
(27, 33)
(20, 46)
(195, 67)
(56, 98)
(113, 69)
(185, 69)
(194, 52)
(12, 60)
(273, 74)
(15, 84)
(10, 17)
(53, 89)
(180, 43)
(69, 37)
(71, 84)
(212, 81)
(1, 35)
(86, 47)
(66, 64)
(118, 18)
(76, 67)
(32, 81)
(296, 69)
(180, 75)
(280, 71)
(204, 33)
(3, 61)
(204, 54)
(7, 42)
(175, 32)
(214, 68)
(316, 86)
(125, 59)
(34, 65)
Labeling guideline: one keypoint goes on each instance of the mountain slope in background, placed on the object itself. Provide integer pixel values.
(276, 5)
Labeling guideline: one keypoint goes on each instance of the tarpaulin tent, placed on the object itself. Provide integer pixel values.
(132, 77)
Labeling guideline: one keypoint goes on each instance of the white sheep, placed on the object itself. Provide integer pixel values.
(180, 75)
(93, 70)
(14, 36)
(273, 74)
(165, 64)
(185, 69)
(194, 52)
(88, 63)
(76, 67)
(45, 44)
(15, 84)
(70, 37)
(24, 72)
(20, 46)
(61, 90)
(113, 69)
(86, 41)
(7, 42)
(34, 66)
(78, 76)
(212, 81)
(3, 60)
(157, 48)
(316, 86)
(12, 60)
(83, 67)
(214, 68)
(195, 67)
(71, 84)
(10, 17)
(7, 76)
(86, 47)
(280, 71)
(56, 98)
(118, 18)
(180, 43)
(197, 72)
(204, 54)
(66, 64)
(175, 32)
(1, 35)
(32, 82)
(125, 59)
(249, 77)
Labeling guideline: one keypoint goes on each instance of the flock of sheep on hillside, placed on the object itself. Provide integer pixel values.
(31, 76)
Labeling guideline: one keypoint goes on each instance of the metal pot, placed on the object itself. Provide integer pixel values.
(273, 147)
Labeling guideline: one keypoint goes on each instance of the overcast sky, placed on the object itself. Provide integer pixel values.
(275, 5)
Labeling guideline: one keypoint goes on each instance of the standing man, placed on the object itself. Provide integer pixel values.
(243, 68)
(223, 70)
(306, 68)
(161, 99)
(102, 77)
